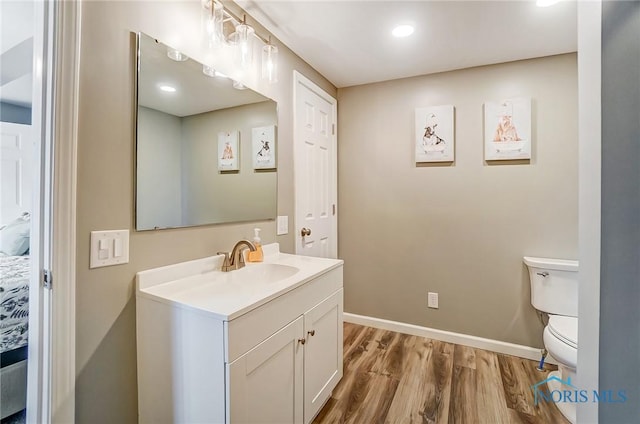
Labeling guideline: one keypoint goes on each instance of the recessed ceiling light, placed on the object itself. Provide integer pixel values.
(546, 3)
(402, 31)
(168, 88)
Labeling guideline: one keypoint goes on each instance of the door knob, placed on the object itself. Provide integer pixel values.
(305, 232)
(301, 341)
(311, 333)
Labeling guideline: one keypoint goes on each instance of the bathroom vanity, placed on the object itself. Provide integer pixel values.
(258, 344)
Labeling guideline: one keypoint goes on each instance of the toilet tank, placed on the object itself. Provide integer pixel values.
(554, 285)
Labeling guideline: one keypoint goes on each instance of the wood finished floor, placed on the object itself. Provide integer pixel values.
(397, 378)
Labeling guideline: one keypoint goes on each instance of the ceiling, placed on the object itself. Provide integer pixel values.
(16, 52)
(195, 92)
(350, 42)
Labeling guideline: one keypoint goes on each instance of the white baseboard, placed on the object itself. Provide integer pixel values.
(497, 346)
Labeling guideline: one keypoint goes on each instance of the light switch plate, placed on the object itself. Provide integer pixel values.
(109, 248)
(282, 225)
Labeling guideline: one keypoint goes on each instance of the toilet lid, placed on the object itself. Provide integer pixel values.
(565, 329)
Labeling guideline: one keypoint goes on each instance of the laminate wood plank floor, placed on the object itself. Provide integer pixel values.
(398, 378)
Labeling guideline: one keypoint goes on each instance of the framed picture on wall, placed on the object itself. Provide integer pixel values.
(263, 143)
(434, 136)
(228, 151)
(507, 129)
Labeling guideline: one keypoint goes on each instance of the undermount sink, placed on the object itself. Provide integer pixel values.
(263, 273)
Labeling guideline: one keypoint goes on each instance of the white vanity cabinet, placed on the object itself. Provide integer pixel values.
(276, 361)
(289, 376)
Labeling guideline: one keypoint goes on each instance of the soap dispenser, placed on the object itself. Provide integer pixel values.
(258, 255)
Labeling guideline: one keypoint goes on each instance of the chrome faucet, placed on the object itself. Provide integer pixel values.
(235, 259)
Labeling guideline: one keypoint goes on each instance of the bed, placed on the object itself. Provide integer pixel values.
(14, 323)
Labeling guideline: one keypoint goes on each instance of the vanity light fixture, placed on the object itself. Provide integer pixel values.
(402, 31)
(217, 22)
(212, 13)
(243, 40)
(167, 88)
(176, 55)
(270, 62)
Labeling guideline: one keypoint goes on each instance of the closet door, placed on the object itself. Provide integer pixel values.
(265, 384)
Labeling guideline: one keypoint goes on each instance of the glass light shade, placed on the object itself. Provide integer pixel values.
(270, 63)
(208, 71)
(238, 85)
(244, 45)
(212, 14)
(176, 55)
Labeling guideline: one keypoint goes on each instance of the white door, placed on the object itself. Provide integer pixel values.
(16, 161)
(265, 384)
(315, 169)
(322, 353)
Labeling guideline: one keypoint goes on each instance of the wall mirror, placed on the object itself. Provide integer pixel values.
(205, 147)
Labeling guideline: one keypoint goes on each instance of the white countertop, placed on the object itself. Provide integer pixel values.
(201, 285)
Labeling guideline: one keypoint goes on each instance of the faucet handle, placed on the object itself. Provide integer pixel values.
(226, 264)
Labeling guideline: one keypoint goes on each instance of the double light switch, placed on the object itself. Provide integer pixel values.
(109, 248)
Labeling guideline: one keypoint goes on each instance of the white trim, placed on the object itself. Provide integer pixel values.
(497, 346)
(589, 200)
(299, 79)
(67, 69)
(39, 344)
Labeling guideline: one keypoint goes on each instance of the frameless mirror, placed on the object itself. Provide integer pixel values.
(205, 151)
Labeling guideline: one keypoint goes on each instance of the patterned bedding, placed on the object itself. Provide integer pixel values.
(14, 301)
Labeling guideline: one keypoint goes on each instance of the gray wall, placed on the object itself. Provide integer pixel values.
(620, 261)
(213, 196)
(159, 169)
(460, 230)
(106, 390)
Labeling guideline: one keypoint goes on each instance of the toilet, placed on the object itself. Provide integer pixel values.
(554, 290)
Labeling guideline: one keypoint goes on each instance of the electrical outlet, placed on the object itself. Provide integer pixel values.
(432, 301)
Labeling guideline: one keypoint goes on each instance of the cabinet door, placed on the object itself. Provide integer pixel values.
(322, 353)
(265, 384)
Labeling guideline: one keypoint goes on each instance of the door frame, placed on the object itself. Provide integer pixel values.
(302, 82)
(589, 199)
(51, 363)
(65, 142)
(39, 348)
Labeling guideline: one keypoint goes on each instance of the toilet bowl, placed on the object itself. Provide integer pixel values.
(561, 341)
(554, 290)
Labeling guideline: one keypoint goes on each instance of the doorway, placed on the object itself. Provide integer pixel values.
(26, 102)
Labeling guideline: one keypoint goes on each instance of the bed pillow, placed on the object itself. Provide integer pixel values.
(14, 237)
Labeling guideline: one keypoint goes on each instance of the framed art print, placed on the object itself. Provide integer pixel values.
(263, 144)
(434, 136)
(507, 129)
(228, 151)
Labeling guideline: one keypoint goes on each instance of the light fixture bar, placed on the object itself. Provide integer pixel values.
(238, 20)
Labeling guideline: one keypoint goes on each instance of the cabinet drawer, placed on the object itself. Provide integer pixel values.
(246, 331)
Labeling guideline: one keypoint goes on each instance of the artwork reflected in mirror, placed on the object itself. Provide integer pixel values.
(192, 130)
(264, 148)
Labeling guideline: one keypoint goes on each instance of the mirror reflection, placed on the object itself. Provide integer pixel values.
(205, 148)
